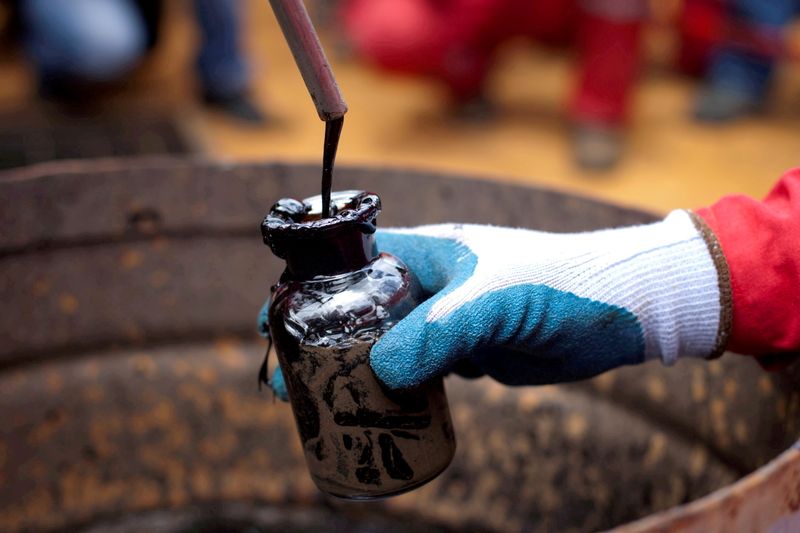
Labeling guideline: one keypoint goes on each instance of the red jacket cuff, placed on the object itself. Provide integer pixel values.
(761, 243)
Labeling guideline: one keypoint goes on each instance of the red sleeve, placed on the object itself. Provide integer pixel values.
(443, 39)
(761, 243)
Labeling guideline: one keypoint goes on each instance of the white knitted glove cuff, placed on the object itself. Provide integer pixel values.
(673, 287)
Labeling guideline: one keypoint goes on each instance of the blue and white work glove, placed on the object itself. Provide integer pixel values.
(528, 307)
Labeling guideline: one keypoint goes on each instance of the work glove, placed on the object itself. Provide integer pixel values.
(528, 307)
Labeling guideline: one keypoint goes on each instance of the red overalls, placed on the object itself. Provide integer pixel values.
(456, 41)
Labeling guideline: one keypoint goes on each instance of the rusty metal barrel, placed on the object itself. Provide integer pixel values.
(129, 401)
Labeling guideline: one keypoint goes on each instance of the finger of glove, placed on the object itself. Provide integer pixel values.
(542, 335)
(523, 334)
(433, 259)
(429, 342)
(278, 385)
(416, 350)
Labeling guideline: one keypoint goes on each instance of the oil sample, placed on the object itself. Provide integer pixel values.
(333, 130)
(335, 299)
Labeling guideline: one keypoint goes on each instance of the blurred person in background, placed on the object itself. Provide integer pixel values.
(455, 41)
(79, 45)
(699, 28)
(738, 44)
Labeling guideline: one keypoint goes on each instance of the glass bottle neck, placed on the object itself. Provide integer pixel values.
(328, 255)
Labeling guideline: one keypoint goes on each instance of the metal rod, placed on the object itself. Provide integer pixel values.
(310, 58)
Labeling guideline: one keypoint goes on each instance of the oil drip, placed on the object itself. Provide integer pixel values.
(333, 130)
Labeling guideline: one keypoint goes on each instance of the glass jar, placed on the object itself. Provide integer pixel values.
(334, 300)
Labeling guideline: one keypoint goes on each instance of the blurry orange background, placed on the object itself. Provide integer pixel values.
(669, 161)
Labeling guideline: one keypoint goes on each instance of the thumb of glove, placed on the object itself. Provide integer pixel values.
(415, 350)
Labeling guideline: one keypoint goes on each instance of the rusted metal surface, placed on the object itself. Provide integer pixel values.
(128, 292)
(743, 415)
(767, 500)
(139, 429)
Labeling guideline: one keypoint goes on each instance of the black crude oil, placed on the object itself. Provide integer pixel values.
(333, 130)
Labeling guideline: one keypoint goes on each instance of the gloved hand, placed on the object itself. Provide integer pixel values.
(528, 307)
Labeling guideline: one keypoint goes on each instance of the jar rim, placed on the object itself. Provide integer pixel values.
(291, 220)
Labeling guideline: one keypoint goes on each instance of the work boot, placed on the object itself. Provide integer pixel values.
(596, 147)
(719, 105)
(238, 107)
